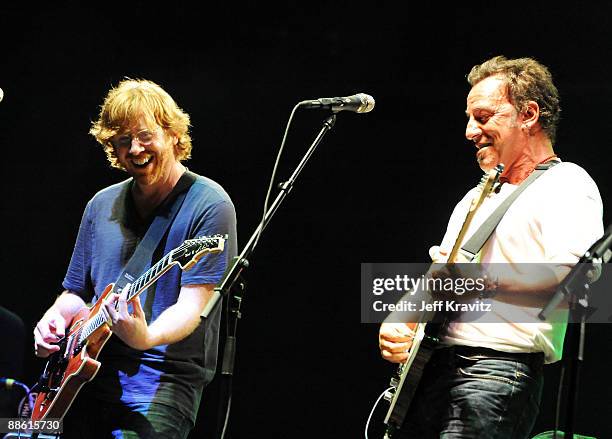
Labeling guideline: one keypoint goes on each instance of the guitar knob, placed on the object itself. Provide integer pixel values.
(394, 382)
(389, 395)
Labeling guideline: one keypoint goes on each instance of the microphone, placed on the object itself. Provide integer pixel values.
(359, 103)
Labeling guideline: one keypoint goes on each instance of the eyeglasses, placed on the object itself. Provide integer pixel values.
(144, 138)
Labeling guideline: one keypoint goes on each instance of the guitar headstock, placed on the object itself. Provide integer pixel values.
(486, 185)
(192, 250)
(489, 179)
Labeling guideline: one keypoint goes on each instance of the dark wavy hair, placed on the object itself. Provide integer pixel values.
(526, 80)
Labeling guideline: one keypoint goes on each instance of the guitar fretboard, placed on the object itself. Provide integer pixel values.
(188, 253)
(150, 276)
(139, 285)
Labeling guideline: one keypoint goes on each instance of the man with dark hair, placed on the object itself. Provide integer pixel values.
(485, 381)
(163, 352)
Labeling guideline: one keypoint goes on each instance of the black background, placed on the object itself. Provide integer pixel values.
(380, 188)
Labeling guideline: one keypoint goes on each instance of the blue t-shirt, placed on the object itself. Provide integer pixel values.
(110, 230)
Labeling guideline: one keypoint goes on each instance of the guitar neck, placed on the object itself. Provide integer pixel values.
(150, 276)
(466, 224)
(185, 256)
(142, 283)
(484, 188)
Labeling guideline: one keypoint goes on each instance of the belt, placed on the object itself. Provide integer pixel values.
(532, 359)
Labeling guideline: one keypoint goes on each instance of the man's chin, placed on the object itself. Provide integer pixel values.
(143, 179)
(486, 166)
(487, 158)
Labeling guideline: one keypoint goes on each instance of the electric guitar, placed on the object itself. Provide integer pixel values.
(68, 369)
(429, 329)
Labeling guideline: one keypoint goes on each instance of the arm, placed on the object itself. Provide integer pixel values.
(52, 326)
(173, 325)
(532, 287)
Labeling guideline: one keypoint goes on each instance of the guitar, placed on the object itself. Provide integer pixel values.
(68, 369)
(430, 328)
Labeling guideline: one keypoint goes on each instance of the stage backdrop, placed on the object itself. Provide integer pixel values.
(380, 188)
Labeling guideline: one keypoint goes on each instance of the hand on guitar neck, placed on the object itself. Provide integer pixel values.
(132, 328)
(481, 280)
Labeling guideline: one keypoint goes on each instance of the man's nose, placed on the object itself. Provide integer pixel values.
(472, 130)
(135, 147)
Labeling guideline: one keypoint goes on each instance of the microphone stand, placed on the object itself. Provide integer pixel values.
(233, 288)
(575, 287)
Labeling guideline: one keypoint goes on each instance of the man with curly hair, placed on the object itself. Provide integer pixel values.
(162, 352)
(485, 380)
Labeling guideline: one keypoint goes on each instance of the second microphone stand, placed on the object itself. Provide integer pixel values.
(575, 288)
(233, 287)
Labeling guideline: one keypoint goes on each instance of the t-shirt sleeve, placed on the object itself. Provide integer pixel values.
(78, 276)
(220, 218)
(571, 221)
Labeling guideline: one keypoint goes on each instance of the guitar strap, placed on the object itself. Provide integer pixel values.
(471, 248)
(164, 215)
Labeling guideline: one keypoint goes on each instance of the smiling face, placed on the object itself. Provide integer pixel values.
(494, 125)
(147, 152)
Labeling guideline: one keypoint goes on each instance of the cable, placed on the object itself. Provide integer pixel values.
(261, 227)
(229, 404)
(278, 156)
(374, 408)
(10, 384)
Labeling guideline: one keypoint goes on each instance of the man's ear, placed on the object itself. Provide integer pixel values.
(531, 114)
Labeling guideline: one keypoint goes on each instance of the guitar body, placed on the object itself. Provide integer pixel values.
(69, 368)
(408, 376)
